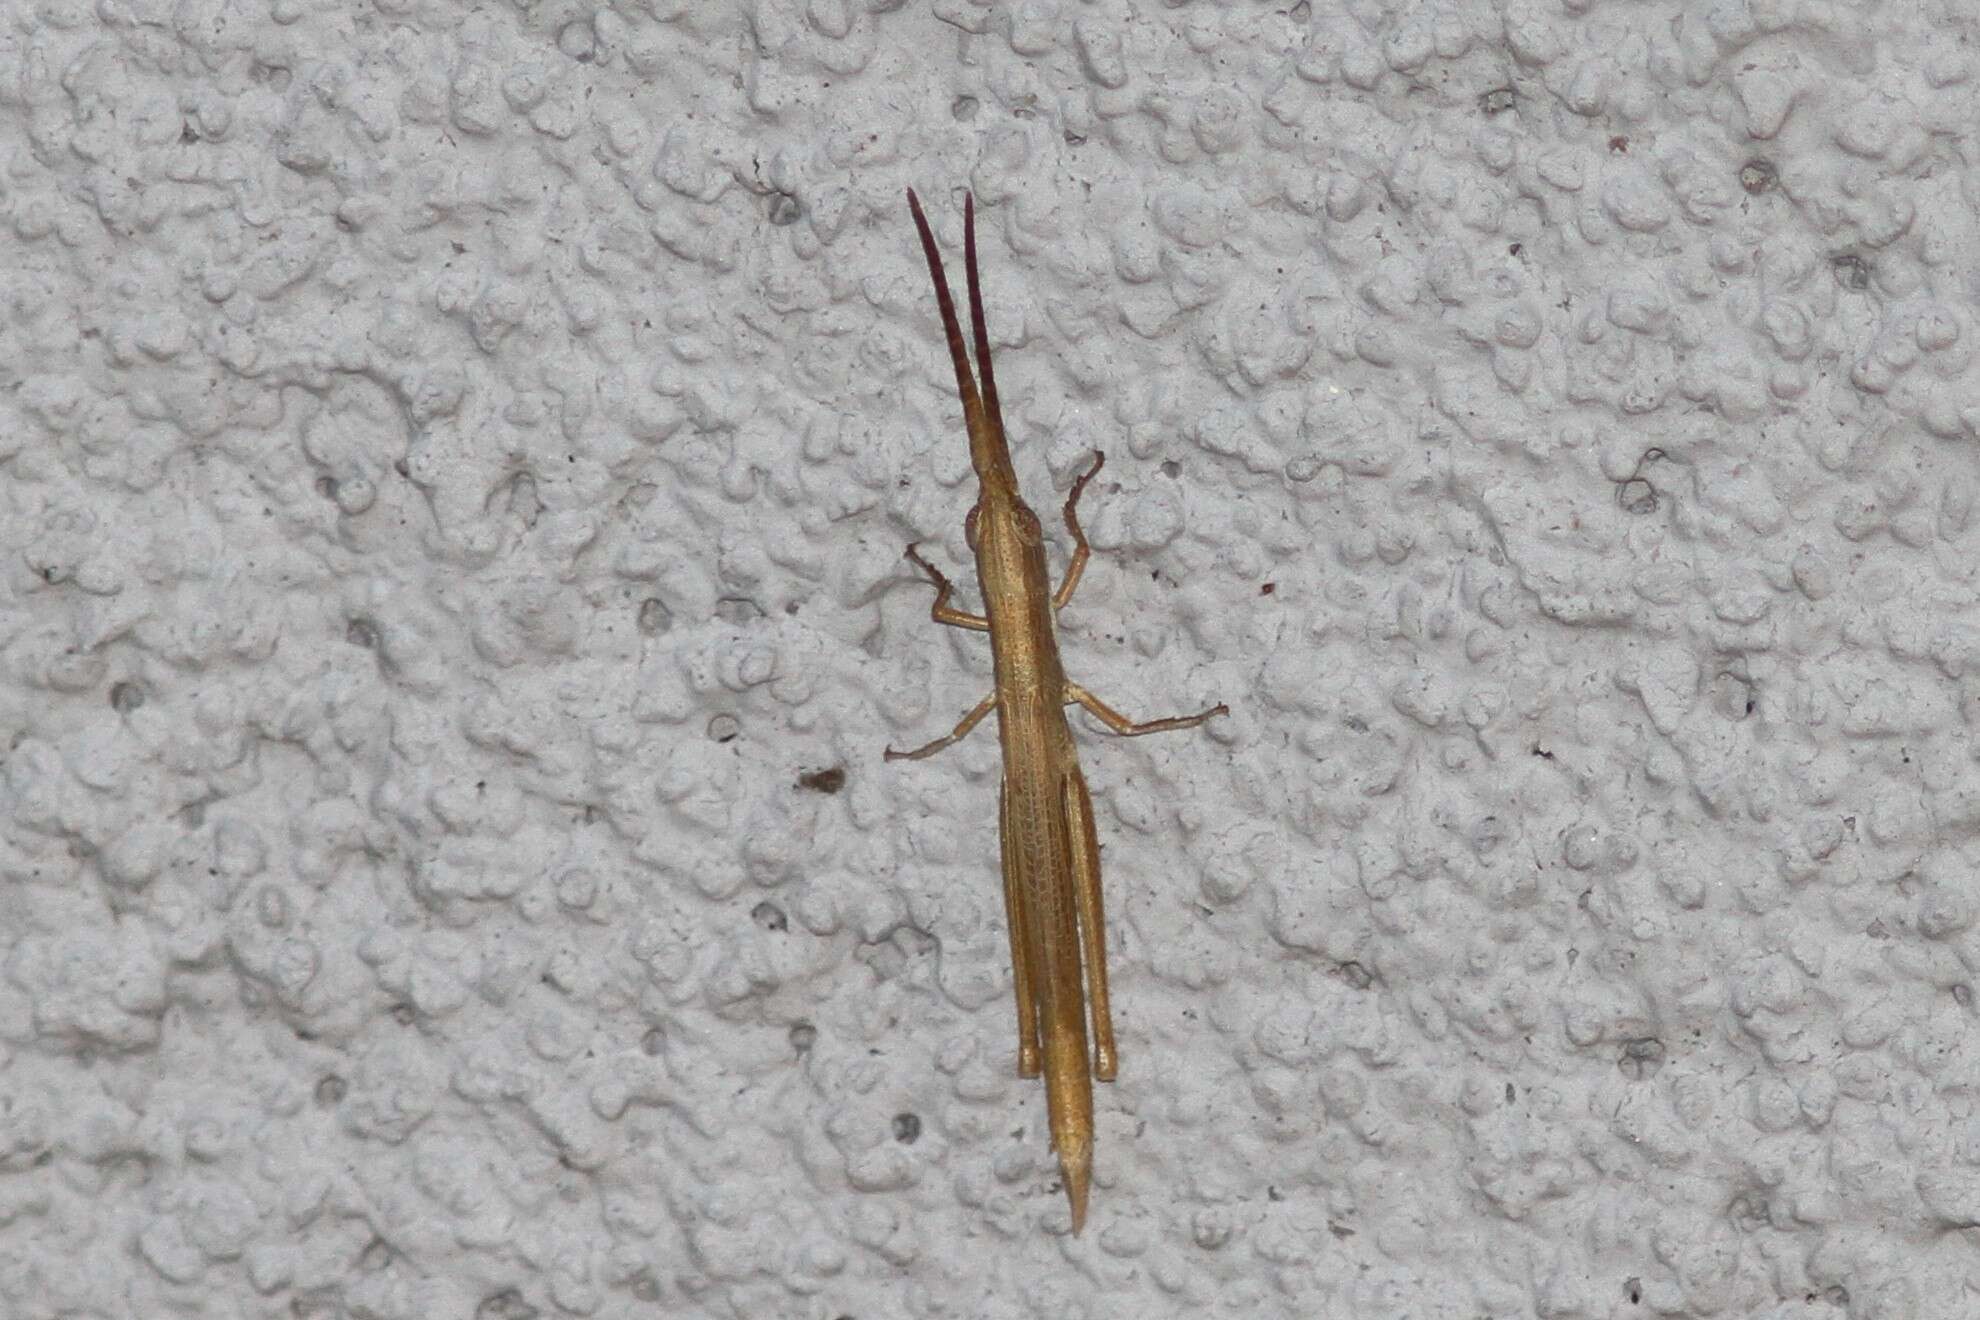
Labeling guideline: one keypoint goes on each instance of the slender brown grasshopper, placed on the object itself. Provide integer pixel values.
(1045, 818)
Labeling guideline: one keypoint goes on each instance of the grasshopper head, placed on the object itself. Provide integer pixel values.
(1001, 515)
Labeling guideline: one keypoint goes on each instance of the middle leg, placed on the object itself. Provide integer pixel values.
(961, 731)
(1128, 728)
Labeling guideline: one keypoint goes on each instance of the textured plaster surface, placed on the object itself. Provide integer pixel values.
(454, 466)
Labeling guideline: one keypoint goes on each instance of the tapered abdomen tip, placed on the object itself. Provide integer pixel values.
(1076, 1171)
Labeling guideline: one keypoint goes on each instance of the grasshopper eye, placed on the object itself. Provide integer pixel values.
(969, 525)
(1028, 529)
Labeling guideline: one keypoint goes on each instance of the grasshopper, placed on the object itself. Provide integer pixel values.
(1051, 857)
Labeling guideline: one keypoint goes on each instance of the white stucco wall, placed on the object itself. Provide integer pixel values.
(454, 467)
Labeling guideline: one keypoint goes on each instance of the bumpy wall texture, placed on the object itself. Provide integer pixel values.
(454, 467)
